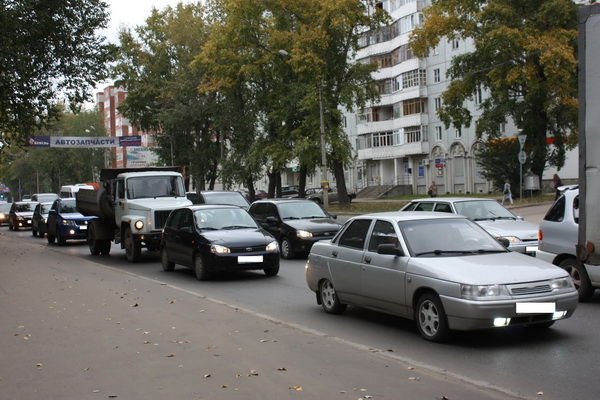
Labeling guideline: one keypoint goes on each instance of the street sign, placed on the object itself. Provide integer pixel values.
(522, 157)
(522, 139)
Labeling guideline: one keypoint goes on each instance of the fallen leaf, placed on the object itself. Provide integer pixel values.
(540, 393)
(411, 368)
(224, 386)
(170, 355)
(298, 388)
(39, 365)
(253, 372)
(264, 340)
(413, 378)
(207, 376)
(135, 305)
(281, 369)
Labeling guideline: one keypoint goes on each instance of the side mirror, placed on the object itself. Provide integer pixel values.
(504, 242)
(390, 249)
(334, 216)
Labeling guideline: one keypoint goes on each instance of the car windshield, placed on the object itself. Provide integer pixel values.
(235, 199)
(480, 210)
(68, 206)
(25, 207)
(154, 186)
(301, 210)
(45, 208)
(224, 218)
(447, 237)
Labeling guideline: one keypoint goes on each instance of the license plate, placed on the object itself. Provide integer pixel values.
(28, 222)
(536, 308)
(83, 227)
(249, 259)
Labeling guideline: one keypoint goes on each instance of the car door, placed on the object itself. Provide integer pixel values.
(186, 237)
(383, 276)
(53, 218)
(346, 259)
(170, 237)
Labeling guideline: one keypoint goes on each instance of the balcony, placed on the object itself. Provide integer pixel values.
(390, 152)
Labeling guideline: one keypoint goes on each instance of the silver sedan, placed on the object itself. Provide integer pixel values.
(442, 270)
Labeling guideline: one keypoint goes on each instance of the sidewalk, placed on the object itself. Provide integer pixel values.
(74, 329)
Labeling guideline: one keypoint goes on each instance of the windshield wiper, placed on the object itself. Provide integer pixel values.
(290, 218)
(438, 252)
(314, 216)
(209, 228)
(506, 218)
(236, 227)
(481, 251)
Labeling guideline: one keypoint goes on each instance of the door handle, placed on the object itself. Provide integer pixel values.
(334, 254)
(368, 260)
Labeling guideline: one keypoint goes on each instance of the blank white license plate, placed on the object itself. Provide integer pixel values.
(249, 259)
(536, 308)
(83, 227)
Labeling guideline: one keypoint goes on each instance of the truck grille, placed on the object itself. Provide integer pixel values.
(160, 218)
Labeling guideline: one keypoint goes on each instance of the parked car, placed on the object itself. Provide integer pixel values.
(44, 197)
(558, 238)
(316, 194)
(39, 220)
(20, 215)
(219, 197)
(4, 211)
(296, 223)
(210, 238)
(65, 222)
(491, 215)
(442, 270)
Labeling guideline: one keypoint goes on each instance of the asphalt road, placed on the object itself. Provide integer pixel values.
(334, 355)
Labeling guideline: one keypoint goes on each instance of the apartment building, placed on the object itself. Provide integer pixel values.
(117, 125)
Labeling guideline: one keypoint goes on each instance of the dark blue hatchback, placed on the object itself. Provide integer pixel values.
(211, 238)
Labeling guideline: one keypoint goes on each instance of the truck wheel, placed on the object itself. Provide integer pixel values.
(93, 243)
(60, 239)
(133, 250)
(580, 278)
(105, 246)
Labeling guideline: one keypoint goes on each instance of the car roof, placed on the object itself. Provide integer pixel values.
(412, 215)
(212, 206)
(283, 200)
(451, 199)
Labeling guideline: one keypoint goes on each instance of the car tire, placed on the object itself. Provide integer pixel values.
(133, 249)
(431, 318)
(272, 270)
(580, 278)
(287, 250)
(200, 269)
(50, 238)
(329, 299)
(164, 258)
(34, 232)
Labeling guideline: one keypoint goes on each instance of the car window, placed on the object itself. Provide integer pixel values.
(483, 210)
(301, 210)
(576, 209)
(383, 233)
(234, 198)
(410, 207)
(355, 234)
(174, 217)
(68, 207)
(556, 213)
(443, 207)
(186, 221)
(424, 207)
(224, 218)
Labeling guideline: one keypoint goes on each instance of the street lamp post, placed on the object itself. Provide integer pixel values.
(324, 183)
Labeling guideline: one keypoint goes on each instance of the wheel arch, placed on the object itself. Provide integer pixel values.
(417, 295)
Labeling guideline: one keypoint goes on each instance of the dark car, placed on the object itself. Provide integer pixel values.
(4, 210)
(20, 215)
(210, 238)
(39, 226)
(296, 223)
(219, 197)
(65, 222)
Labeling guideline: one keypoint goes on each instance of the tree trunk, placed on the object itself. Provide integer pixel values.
(340, 179)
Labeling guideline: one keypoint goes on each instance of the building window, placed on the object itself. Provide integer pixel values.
(436, 76)
(413, 106)
(458, 133)
(438, 133)
(397, 110)
(438, 103)
(478, 95)
(455, 44)
(412, 134)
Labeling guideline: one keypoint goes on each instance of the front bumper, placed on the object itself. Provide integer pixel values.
(471, 314)
(240, 262)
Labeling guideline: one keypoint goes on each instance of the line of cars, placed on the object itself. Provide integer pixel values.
(444, 270)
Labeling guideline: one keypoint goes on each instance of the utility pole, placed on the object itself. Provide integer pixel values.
(324, 180)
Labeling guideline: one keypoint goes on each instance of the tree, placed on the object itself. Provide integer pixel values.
(155, 67)
(49, 52)
(524, 59)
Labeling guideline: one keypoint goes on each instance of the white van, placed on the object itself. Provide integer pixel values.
(70, 190)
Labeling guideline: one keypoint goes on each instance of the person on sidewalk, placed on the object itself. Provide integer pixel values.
(433, 189)
(506, 192)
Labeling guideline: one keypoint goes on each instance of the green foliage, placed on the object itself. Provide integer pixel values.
(524, 62)
(498, 159)
(49, 52)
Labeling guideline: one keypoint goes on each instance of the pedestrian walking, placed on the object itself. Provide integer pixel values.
(506, 192)
(432, 189)
(557, 183)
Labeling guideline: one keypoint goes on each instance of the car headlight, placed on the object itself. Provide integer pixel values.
(218, 249)
(511, 239)
(304, 234)
(562, 284)
(484, 292)
(139, 225)
(68, 222)
(273, 246)
(2, 215)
